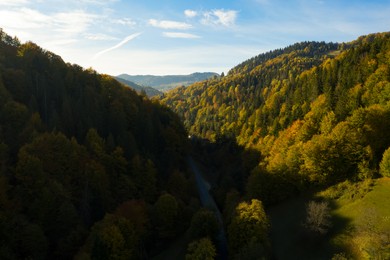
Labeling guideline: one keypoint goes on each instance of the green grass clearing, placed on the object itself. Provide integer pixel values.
(360, 223)
(368, 234)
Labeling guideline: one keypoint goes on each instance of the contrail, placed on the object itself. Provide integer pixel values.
(128, 38)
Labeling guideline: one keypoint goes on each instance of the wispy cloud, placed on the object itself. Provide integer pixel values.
(72, 22)
(166, 24)
(220, 17)
(53, 31)
(13, 2)
(124, 41)
(23, 18)
(62, 42)
(65, 22)
(180, 35)
(190, 13)
(125, 21)
(99, 37)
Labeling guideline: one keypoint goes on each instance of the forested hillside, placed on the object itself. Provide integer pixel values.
(297, 98)
(149, 91)
(88, 168)
(294, 120)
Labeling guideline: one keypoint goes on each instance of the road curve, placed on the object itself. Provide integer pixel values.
(208, 202)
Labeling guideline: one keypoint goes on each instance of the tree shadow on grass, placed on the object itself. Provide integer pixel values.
(292, 240)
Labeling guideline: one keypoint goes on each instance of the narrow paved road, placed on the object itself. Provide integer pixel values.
(208, 202)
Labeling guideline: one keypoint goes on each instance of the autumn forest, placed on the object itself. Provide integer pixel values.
(287, 156)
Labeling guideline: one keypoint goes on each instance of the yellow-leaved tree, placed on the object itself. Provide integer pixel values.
(248, 231)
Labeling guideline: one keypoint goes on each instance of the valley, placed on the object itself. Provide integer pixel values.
(167, 82)
(287, 156)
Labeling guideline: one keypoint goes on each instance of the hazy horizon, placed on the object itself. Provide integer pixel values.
(177, 38)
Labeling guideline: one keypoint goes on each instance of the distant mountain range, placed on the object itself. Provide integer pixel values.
(167, 82)
(149, 91)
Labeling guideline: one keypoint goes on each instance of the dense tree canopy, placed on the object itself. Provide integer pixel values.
(249, 227)
(318, 113)
(91, 169)
(202, 249)
(83, 159)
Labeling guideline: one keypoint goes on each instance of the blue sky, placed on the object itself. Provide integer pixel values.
(180, 36)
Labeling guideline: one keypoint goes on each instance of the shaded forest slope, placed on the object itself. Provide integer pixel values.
(83, 162)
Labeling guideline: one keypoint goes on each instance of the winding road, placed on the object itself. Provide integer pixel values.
(208, 202)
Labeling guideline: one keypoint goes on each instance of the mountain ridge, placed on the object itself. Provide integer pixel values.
(149, 91)
(166, 82)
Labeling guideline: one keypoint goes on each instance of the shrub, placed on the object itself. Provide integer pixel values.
(384, 166)
(318, 217)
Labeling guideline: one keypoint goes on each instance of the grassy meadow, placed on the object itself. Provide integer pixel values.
(360, 224)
